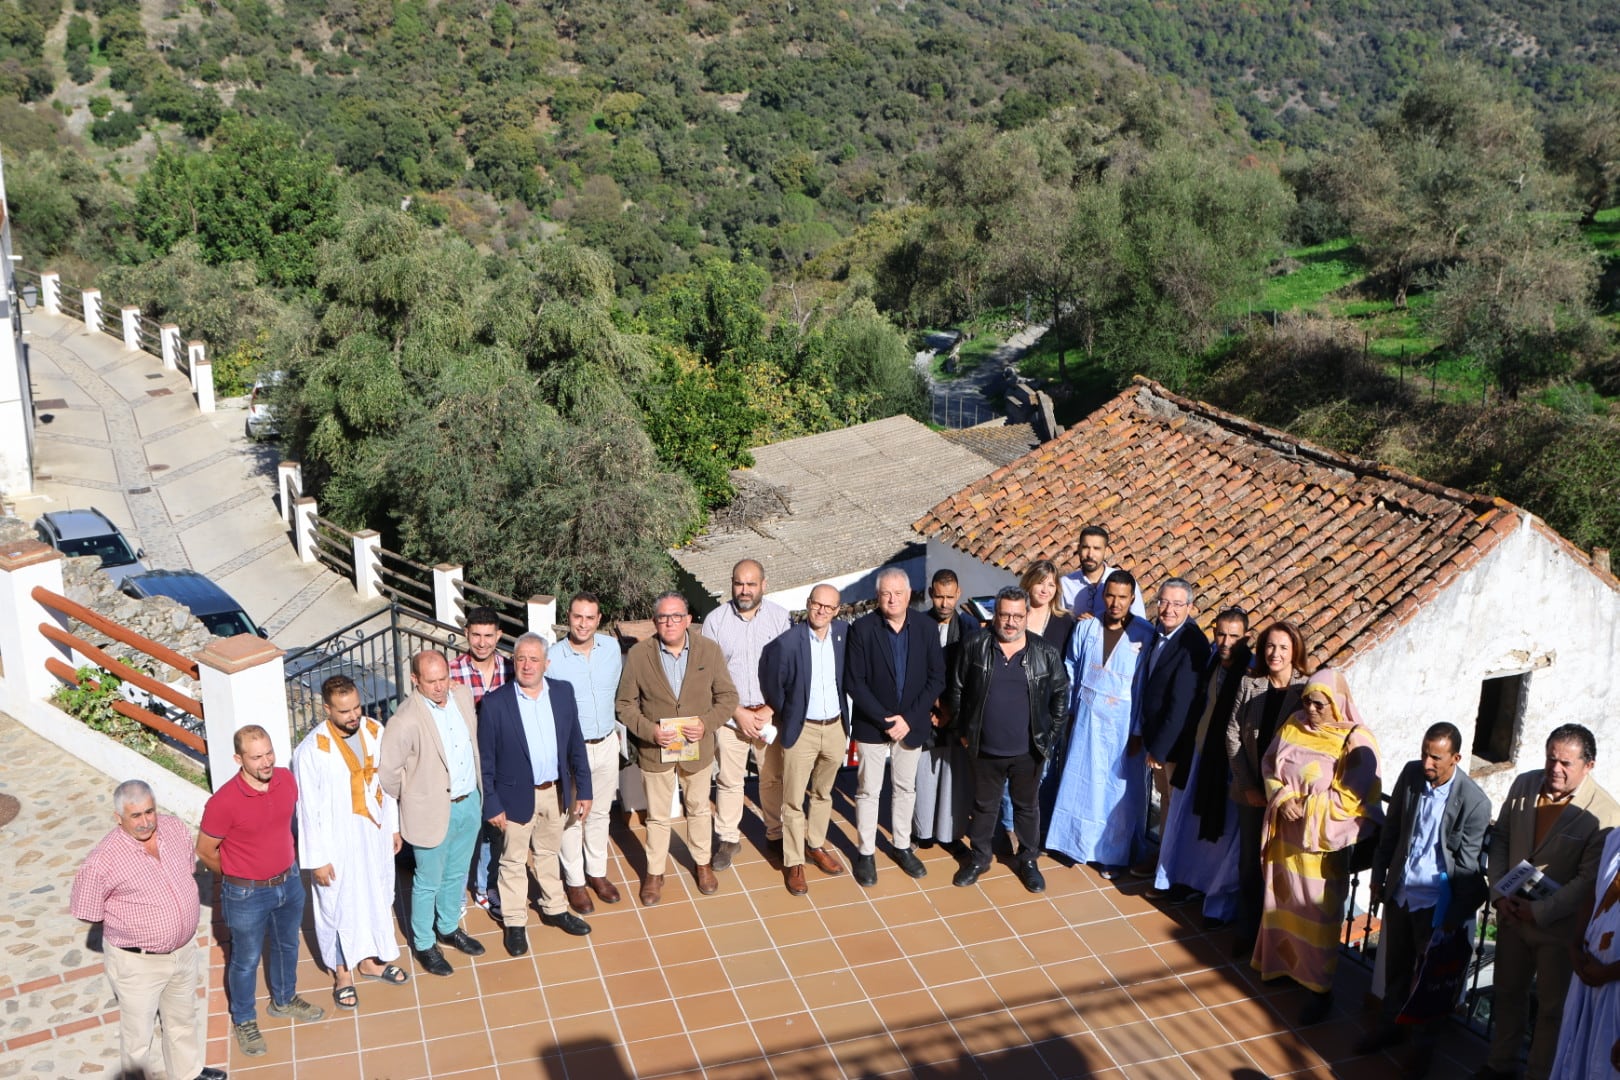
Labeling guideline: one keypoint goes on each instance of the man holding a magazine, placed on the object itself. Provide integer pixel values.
(1553, 822)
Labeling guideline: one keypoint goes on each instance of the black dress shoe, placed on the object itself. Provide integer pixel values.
(865, 870)
(970, 873)
(457, 939)
(1030, 875)
(211, 1073)
(567, 922)
(516, 940)
(432, 961)
(908, 861)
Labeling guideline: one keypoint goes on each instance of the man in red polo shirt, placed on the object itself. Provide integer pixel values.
(137, 884)
(246, 838)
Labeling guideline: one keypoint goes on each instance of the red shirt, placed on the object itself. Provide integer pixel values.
(464, 671)
(142, 902)
(255, 826)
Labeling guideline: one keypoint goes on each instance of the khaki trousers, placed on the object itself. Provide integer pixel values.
(1523, 952)
(809, 765)
(149, 987)
(541, 837)
(694, 800)
(585, 843)
(731, 754)
(869, 790)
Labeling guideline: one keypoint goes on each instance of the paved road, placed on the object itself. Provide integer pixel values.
(119, 433)
(966, 400)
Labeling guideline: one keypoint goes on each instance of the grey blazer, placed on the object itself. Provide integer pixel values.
(1243, 749)
(1462, 831)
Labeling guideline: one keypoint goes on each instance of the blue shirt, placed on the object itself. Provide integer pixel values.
(458, 747)
(823, 703)
(540, 731)
(900, 647)
(1420, 885)
(595, 679)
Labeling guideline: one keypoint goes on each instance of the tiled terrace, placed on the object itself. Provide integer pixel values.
(911, 978)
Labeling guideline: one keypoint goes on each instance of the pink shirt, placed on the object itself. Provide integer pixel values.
(142, 902)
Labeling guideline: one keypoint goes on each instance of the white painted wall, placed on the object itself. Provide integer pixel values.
(1527, 602)
(975, 577)
(852, 587)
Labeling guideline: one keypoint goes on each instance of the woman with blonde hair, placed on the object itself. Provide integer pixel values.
(1322, 797)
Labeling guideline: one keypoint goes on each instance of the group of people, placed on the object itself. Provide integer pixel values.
(1046, 724)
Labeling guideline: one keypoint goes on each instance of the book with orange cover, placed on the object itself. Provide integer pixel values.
(682, 749)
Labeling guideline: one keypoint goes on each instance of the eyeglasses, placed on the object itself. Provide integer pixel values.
(1175, 605)
(814, 606)
(675, 618)
(1317, 706)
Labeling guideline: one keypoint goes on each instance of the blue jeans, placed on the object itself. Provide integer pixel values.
(249, 912)
(441, 874)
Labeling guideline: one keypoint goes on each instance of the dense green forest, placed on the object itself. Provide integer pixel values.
(541, 273)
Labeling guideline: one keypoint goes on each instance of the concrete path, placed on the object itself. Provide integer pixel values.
(119, 433)
(57, 1013)
(965, 400)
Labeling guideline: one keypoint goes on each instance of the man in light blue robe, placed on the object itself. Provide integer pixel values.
(1100, 807)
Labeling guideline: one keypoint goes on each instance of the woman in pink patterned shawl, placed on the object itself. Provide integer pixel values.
(1322, 789)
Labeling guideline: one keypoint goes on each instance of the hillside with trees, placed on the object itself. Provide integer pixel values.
(540, 274)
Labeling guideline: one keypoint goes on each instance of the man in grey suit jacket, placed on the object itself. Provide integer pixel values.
(1430, 852)
(429, 762)
(1556, 819)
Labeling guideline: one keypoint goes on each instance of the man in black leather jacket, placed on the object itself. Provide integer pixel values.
(1008, 699)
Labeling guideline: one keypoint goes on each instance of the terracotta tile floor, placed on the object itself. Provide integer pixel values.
(910, 978)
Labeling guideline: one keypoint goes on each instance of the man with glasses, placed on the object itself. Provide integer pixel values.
(674, 695)
(1163, 723)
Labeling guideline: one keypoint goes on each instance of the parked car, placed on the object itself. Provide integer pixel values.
(308, 668)
(222, 615)
(90, 532)
(261, 415)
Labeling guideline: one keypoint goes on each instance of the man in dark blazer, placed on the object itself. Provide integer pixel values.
(537, 778)
(801, 673)
(895, 672)
(1555, 818)
(944, 775)
(1435, 826)
(1167, 691)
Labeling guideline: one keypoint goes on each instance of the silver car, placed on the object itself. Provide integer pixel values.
(90, 532)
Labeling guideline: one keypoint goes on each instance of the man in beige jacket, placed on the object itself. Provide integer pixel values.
(675, 675)
(429, 762)
(1555, 818)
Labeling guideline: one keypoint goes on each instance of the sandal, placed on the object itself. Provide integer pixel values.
(346, 997)
(392, 974)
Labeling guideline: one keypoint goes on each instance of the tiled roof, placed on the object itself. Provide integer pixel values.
(851, 496)
(998, 442)
(1251, 515)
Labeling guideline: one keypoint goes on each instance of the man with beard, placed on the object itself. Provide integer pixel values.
(1101, 803)
(1082, 591)
(742, 628)
(246, 838)
(944, 783)
(1008, 699)
(348, 834)
(482, 669)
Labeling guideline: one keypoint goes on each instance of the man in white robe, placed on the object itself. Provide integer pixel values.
(1100, 807)
(348, 834)
(1589, 1041)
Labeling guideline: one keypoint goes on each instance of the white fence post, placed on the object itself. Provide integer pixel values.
(169, 345)
(202, 379)
(243, 682)
(543, 616)
(92, 310)
(289, 486)
(447, 594)
(367, 543)
(131, 318)
(304, 512)
(196, 354)
(24, 565)
(50, 292)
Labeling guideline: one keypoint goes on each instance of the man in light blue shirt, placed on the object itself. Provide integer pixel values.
(591, 663)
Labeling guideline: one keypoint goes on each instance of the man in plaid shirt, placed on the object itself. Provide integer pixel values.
(481, 669)
(138, 884)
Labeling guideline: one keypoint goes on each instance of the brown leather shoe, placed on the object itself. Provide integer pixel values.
(824, 858)
(793, 877)
(579, 898)
(605, 890)
(652, 889)
(707, 883)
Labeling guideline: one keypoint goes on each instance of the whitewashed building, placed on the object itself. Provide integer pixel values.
(1437, 604)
